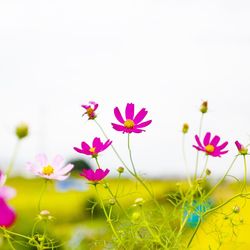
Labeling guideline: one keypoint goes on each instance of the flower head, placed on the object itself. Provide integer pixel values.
(54, 170)
(94, 176)
(242, 150)
(204, 107)
(90, 110)
(210, 147)
(133, 123)
(95, 149)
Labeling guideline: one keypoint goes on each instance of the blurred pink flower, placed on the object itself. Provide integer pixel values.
(90, 110)
(97, 147)
(242, 150)
(210, 147)
(132, 123)
(54, 170)
(94, 176)
(7, 214)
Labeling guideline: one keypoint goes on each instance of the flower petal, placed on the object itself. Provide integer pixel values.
(97, 144)
(42, 159)
(198, 141)
(130, 111)
(118, 115)
(222, 146)
(118, 127)
(65, 169)
(207, 139)
(140, 116)
(143, 124)
(215, 140)
(57, 162)
(7, 214)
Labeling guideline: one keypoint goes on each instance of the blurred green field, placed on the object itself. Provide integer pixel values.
(75, 228)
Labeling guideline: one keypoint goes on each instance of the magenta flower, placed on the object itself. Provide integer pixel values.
(54, 170)
(210, 147)
(90, 110)
(132, 123)
(94, 176)
(7, 214)
(242, 150)
(97, 147)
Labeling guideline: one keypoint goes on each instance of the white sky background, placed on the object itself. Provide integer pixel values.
(166, 56)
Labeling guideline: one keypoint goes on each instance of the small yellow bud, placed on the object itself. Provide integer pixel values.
(120, 170)
(185, 128)
(204, 107)
(139, 201)
(208, 171)
(22, 130)
(112, 202)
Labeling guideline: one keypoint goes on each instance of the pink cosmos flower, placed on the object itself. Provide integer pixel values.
(7, 214)
(90, 110)
(210, 147)
(94, 176)
(97, 147)
(54, 170)
(133, 123)
(242, 150)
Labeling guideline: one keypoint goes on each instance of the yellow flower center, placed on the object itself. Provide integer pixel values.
(209, 148)
(90, 111)
(92, 150)
(48, 170)
(129, 124)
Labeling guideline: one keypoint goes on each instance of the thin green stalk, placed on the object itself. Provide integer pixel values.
(185, 160)
(222, 179)
(41, 194)
(109, 220)
(130, 155)
(245, 174)
(197, 154)
(205, 166)
(13, 159)
(212, 210)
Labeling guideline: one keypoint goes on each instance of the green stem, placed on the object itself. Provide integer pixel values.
(130, 154)
(245, 174)
(109, 220)
(197, 154)
(13, 159)
(205, 166)
(212, 210)
(185, 160)
(222, 179)
(41, 194)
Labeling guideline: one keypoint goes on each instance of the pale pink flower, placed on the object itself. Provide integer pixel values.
(54, 170)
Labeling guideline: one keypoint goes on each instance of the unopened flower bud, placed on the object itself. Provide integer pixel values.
(208, 171)
(22, 130)
(185, 128)
(242, 150)
(120, 170)
(112, 202)
(45, 213)
(236, 209)
(204, 107)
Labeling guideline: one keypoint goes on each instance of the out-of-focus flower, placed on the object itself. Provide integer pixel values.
(22, 130)
(210, 147)
(185, 128)
(94, 176)
(132, 123)
(242, 150)
(7, 214)
(90, 110)
(54, 170)
(97, 147)
(204, 107)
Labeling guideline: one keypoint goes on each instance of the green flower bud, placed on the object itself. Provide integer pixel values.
(22, 130)
(185, 128)
(208, 171)
(203, 108)
(120, 170)
(236, 209)
(112, 202)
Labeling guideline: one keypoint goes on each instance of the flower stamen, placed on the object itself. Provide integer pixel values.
(209, 148)
(48, 170)
(129, 124)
